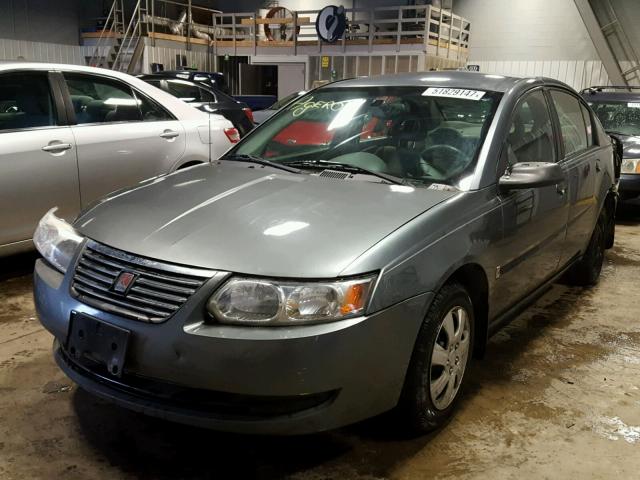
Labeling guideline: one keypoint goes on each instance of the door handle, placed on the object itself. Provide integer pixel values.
(598, 167)
(169, 134)
(56, 147)
(561, 189)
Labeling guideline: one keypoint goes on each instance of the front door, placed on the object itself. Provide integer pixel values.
(535, 219)
(122, 136)
(38, 168)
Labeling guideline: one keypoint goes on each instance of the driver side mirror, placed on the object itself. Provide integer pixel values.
(531, 175)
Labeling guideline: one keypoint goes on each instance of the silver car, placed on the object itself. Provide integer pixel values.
(70, 134)
(345, 258)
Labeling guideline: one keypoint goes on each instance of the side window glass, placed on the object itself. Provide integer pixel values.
(530, 137)
(25, 101)
(101, 100)
(587, 121)
(151, 111)
(206, 96)
(185, 91)
(572, 127)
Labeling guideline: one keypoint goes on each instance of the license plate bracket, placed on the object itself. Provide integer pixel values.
(99, 341)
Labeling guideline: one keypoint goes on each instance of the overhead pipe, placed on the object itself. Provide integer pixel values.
(177, 27)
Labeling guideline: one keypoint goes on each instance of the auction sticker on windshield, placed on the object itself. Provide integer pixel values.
(453, 93)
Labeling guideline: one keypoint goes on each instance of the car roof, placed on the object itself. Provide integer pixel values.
(191, 81)
(188, 72)
(219, 94)
(13, 65)
(177, 107)
(453, 79)
(617, 93)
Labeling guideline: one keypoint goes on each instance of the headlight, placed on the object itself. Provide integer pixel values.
(56, 240)
(630, 165)
(266, 302)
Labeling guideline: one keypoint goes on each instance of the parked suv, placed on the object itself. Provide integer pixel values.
(70, 134)
(291, 288)
(205, 98)
(618, 109)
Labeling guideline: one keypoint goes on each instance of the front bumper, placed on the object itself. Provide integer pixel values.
(629, 186)
(244, 379)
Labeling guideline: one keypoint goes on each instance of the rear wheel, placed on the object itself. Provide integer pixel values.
(587, 271)
(610, 229)
(440, 359)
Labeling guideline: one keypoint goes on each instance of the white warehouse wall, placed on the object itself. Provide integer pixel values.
(628, 13)
(531, 38)
(526, 30)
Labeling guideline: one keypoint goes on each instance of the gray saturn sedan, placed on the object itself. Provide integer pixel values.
(346, 258)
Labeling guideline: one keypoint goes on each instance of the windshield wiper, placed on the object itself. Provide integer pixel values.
(346, 167)
(260, 161)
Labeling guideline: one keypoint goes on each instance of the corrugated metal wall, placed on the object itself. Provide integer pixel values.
(47, 52)
(577, 73)
(57, 21)
(41, 52)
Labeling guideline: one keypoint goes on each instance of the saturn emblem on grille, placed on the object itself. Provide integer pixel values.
(123, 282)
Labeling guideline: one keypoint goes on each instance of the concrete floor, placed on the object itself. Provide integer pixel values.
(557, 396)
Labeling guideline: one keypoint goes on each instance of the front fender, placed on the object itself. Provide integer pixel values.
(460, 231)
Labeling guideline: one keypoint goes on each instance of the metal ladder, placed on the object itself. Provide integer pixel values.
(618, 41)
(128, 48)
(113, 25)
(125, 52)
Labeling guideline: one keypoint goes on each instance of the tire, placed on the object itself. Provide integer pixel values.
(587, 271)
(610, 236)
(421, 407)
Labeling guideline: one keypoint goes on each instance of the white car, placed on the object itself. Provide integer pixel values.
(71, 134)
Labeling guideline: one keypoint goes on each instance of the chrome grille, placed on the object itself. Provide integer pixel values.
(157, 292)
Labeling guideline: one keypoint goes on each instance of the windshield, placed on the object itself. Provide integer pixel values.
(281, 103)
(419, 134)
(620, 117)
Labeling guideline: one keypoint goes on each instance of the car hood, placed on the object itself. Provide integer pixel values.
(630, 145)
(256, 220)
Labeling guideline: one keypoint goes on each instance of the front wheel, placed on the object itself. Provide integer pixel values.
(440, 359)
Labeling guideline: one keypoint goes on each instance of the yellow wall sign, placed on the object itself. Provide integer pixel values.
(325, 62)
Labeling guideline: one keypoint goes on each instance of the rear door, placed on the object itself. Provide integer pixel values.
(38, 168)
(579, 156)
(535, 219)
(122, 135)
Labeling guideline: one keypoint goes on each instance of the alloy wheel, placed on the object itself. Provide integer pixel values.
(449, 357)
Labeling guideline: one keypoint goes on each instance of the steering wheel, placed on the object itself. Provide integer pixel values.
(445, 135)
(448, 151)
